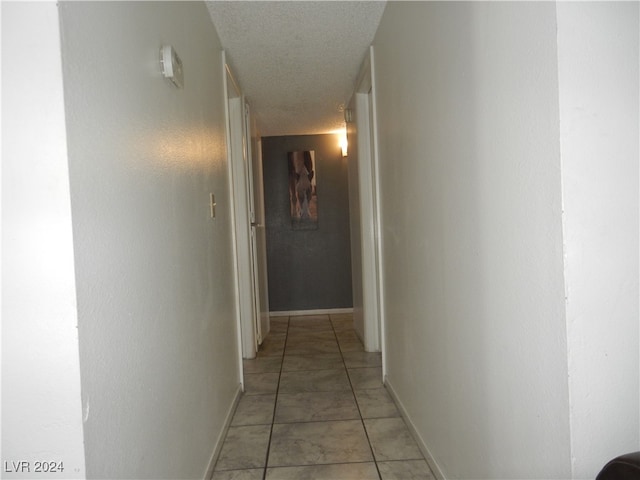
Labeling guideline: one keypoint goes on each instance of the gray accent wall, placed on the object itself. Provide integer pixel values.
(307, 269)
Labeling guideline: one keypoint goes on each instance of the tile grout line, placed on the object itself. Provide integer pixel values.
(355, 399)
(275, 404)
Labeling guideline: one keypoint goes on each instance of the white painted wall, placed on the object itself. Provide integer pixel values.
(472, 235)
(157, 331)
(598, 59)
(41, 409)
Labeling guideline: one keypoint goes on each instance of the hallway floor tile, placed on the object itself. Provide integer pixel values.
(261, 383)
(318, 443)
(315, 408)
(314, 381)
(376, 403)
(244, 447)
(351, 471)
(391, 440)
(254, 410)
(321, 361)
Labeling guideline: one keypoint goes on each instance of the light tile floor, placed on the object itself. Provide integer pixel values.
(315, 408)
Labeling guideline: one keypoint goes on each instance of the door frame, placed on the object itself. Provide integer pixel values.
(257, 226)
(364, 102)
(263, 323)
(252, 222)
(236, 136)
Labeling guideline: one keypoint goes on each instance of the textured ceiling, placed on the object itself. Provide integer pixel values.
(296, 62)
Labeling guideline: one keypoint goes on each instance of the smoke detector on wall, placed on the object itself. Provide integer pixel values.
(171, 65)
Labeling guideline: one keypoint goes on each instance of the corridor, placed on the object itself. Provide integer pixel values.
(315, 408)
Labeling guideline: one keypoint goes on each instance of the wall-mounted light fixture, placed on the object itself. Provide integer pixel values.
(343, 142)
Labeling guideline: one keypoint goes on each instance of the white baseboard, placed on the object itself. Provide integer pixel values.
(433, 465)
(322, 311)
(223, 434)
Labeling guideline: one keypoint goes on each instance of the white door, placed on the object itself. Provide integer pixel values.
(258, 234)
(241, 218)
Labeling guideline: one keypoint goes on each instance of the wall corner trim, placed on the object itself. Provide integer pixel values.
(223, 434)
(433, 465)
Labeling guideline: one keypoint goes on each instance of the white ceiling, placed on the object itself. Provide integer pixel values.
(296, 61)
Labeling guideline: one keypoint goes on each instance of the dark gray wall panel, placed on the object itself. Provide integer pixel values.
(308, 269)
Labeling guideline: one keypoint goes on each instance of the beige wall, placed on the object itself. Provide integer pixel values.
(471, 216)
(156, 314)
(499, 374)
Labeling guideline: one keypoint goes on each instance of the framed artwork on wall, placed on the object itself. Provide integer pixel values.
(303, 194)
